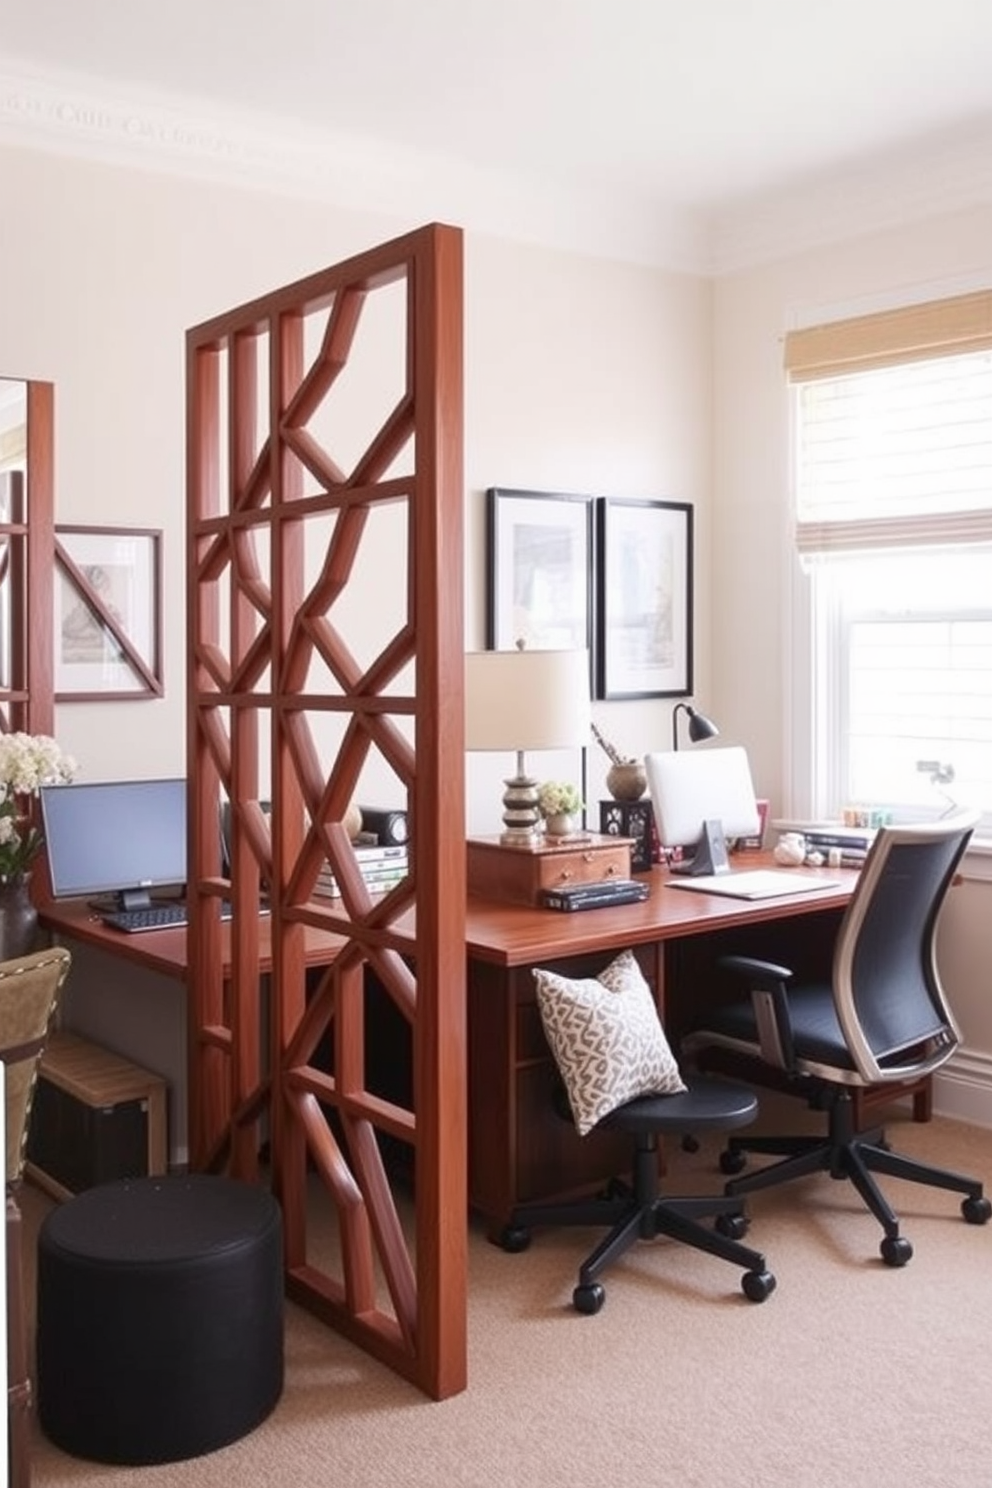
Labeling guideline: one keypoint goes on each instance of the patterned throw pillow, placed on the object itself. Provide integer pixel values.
(606, 1038)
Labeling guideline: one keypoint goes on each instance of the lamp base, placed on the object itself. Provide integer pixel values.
(521, 814)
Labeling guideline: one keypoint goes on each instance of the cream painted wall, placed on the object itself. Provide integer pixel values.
(586, 376)
(751, 560)
(581, 374)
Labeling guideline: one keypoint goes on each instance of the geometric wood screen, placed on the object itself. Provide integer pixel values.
(325, 668)
(27, 549)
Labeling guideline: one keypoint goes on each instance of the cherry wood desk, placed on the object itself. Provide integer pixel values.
(163, 950)
(519, 1150)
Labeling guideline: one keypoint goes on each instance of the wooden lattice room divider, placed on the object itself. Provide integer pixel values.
(325, 660)
(27, 564)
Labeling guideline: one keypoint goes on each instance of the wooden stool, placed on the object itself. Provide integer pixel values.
(160, 1317)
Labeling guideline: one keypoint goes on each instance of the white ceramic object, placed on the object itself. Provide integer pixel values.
(790, 850)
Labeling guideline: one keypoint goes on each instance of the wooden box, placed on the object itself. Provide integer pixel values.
(95, 1117)
(518, 875)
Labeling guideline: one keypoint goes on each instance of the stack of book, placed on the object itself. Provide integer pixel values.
(830, 838)
(381, 868)
(596, 895)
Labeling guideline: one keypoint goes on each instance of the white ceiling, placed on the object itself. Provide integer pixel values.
(701, 132)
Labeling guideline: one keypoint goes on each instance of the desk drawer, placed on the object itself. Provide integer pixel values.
(584, 865)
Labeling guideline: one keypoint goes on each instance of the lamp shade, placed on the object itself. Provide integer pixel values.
(516, 700)
(700, 727)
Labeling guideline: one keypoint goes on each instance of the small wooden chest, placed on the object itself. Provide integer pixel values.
(518, 875)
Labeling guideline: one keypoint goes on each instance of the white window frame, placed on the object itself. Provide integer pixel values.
(964, 323)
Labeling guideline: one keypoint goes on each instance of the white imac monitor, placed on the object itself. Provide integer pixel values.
(692, 789)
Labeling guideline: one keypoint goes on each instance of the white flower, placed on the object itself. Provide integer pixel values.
(27, 762)
(558, 798)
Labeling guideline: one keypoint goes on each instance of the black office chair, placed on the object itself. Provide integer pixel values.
(881, 1017)
(638, 1211)
(608, 1044)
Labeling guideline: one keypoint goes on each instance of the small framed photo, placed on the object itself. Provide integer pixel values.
(108, 613)
(643, 599)
(540, 560)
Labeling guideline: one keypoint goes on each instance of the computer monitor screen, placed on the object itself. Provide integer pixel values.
(115, 840)
(695, 786)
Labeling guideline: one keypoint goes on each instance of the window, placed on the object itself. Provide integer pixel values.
(892, 487)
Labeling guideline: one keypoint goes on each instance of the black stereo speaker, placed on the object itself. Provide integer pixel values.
(390, 827)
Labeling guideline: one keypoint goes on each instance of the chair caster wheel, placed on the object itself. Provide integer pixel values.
(733, 1226)
(757, 1285)
(895, 1250)
(616, 1188)
(513, 1239)
(976, 1211)
(732, 1161)
(588, 1297)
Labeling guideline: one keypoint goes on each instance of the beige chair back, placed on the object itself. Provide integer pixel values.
(29, 991)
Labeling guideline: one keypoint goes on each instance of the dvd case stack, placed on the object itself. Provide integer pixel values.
(381, 867)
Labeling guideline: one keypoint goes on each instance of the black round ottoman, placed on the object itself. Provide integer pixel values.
(160, 1317)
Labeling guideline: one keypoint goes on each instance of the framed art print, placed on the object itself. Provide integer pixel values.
(539, 570)
(643, 598)
(108, 622)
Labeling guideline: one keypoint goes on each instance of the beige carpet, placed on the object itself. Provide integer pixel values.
(852, 1375)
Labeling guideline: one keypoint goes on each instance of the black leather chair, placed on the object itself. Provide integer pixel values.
(882, 1016)
(637, 1210)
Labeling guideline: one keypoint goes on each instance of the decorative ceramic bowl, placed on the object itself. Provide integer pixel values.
(626, 782)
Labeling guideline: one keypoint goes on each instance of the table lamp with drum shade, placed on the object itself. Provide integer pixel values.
(524, 700)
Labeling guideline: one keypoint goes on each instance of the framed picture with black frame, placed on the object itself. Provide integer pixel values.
(643, 603)
(540, 560)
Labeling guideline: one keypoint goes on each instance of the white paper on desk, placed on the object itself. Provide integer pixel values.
(753, 883)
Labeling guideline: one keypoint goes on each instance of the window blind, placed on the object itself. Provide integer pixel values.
(934, 328)
(894, 453)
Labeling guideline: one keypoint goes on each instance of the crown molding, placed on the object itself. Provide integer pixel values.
(76, 116)
(67, 114)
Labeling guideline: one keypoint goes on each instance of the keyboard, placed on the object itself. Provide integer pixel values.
(161, 916)
(152, 917)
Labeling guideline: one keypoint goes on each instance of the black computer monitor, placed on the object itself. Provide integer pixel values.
(115, 841)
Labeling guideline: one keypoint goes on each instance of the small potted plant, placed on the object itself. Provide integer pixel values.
(559, 803)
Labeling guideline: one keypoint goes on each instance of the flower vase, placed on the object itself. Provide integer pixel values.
(18, 918)
(560, 824)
